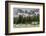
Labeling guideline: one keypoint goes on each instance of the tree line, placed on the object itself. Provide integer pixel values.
(25, 20)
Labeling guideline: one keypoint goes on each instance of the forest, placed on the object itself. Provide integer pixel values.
(25, 20)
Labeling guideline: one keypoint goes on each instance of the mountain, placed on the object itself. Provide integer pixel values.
(25, 12)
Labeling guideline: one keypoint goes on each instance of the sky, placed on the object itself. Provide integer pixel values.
(29, 10)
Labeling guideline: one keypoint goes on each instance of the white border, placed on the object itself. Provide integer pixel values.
(31, 29)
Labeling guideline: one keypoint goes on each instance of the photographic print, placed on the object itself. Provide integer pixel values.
(26, 17)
